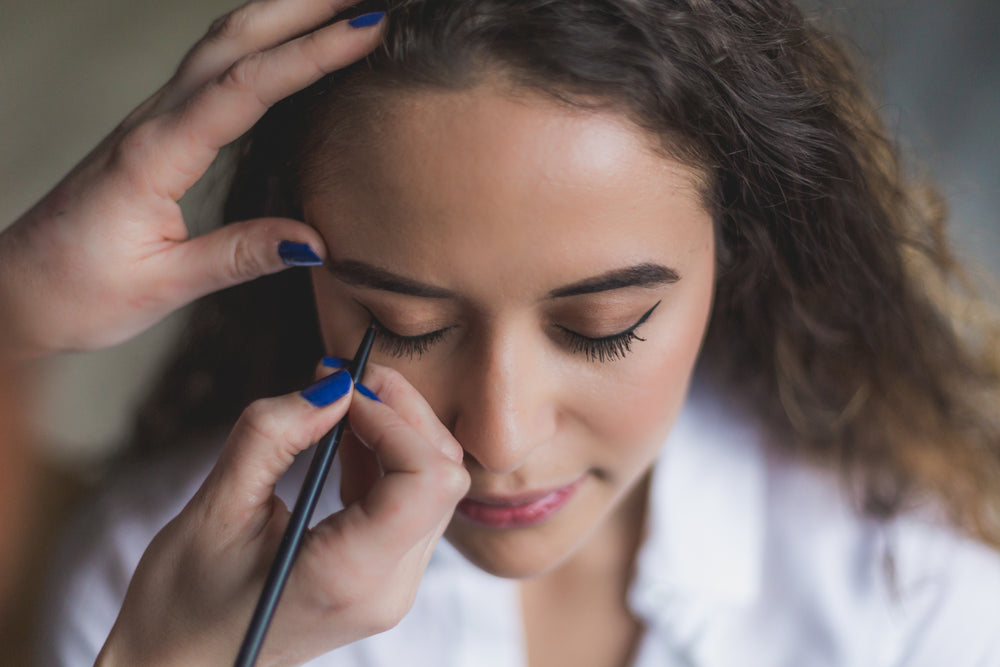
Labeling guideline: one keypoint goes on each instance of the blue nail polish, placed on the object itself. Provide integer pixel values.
(298, 254)
(335, 362)
(367, 393)
(329, 389)
(366, 20)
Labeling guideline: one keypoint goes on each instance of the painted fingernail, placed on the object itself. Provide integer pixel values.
(335, 362)
(329, 389)
(366, 20)
(367, 393)
(298, 254)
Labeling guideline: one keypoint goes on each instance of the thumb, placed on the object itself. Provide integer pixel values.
(242, 251)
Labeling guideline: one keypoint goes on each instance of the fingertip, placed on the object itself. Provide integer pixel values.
(283, 243)
(453, 451)
(328, 390)
(367, 20)
(293, 253)
(367, 393)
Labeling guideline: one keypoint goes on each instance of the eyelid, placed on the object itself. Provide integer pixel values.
(625, 332)
(384, 329)
(601, 348)
(398, 345)
(389, 332)
(606, 348)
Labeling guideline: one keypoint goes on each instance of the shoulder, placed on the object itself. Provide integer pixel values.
(946, 594)
(913, 586)
(777, 561)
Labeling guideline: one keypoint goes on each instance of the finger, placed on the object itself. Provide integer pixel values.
(256, 26)
(235, 253)
(230, 104)
(419, 489)
(394, 390)
(266, 439)
(359, 468)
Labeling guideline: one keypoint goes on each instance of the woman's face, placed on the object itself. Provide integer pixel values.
(544, 279)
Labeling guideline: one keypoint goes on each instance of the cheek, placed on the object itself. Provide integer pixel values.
(641, 401)
(644, 406)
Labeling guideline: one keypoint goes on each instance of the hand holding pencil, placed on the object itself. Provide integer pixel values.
(358, 571)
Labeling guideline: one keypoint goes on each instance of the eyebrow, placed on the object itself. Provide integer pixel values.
(365, 275)
(362, 274)
(640, 275)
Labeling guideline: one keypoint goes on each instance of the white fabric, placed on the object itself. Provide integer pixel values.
(749, 561)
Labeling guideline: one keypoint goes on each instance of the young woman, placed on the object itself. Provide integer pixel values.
(650, 271)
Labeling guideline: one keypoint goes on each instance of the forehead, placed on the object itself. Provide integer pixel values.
(451, 179)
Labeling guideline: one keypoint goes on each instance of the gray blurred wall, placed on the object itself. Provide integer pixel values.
(69, 71)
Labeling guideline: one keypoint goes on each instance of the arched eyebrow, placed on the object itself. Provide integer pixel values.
(640, 275)
(362, 274)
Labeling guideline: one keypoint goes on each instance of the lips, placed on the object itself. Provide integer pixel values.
(517, 511)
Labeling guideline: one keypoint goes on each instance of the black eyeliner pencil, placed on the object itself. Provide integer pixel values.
(298, 523)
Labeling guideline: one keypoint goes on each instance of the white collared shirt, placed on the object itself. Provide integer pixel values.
(750, 560)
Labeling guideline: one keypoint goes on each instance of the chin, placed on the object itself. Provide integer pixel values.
(511, 553)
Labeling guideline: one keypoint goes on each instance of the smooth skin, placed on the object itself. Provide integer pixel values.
(474, 218)
(106, 254)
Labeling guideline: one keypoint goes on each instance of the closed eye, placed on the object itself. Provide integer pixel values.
(606, 348)
(601, 349)
(398, 345)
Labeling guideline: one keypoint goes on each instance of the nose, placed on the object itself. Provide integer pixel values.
(504, 407)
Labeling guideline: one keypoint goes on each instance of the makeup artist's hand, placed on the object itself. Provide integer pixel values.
(106, 254)
(196, 586)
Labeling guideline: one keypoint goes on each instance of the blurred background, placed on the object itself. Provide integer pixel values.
(70, 71)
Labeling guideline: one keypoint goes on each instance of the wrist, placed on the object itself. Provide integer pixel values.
(22, 297)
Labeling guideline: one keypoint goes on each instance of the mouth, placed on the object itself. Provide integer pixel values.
(517, 511)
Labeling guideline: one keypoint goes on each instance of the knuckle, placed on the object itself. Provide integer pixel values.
(242, 74)
(452, 480)
(259, 417)
(387, 615)
(137, 143)
(233, 24)
(243, 262)
(312, 49)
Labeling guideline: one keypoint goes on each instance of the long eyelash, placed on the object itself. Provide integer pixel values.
(406, 346)
(400, 346)
(604, 349)
(607, 348)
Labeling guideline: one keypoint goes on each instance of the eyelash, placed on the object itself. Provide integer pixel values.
(399, 346)
(605, 348)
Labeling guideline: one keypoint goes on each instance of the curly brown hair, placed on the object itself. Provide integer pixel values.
(834, 308)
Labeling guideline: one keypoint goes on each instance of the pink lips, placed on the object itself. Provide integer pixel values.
(516, 511)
